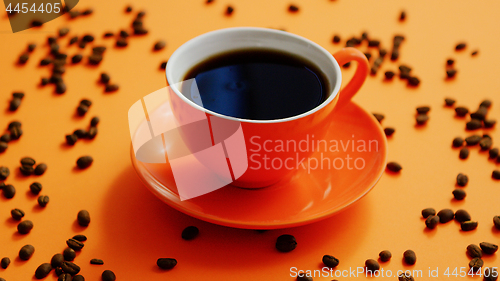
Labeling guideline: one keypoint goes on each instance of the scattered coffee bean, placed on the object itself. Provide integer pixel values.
(445, 215)
(121, 42)
(69, 267)
(95, 59)
(488, 248)
(423, 109)
(80, 133)
(480, 114)
(108, 275)
(490, 274)
(3, 146)
(489, 123)
(69, 254)
(17, 214)
(376, 64)
(495, 175)
(304, 277)
(108, 34)
(496, 222)
(413, 81)
(449, 102)
(63, 31)
(40, 169)
(460, 46)
(14, 104)
(5, 262)
(385, 255)
(461, 111)
(336, 39)
(159, 45)
(94, 121)
(5, 138)
(163, 65)
(405, 277)
(43, 270)
(77, 277)
(43, 200)
(65, 277)
(379, 117)
(73, 40)
(432, 221)
(31, 47)
(76, 58)
(58, 271)
(190, 232)
(4, 173)
(293, 8)
(474, 53)
(422, 119)
(404, 71)
(9, 191)
(493, 153)
(26, 170)
(369, 56)
(105, 78)
(111, 88)
(28, 161)
(23, 58)
(468, 225)
(75, 244)
(57, 260)
(286, 243)
(71, 139)
(450, 73)
(486, 143)
(26, 252)
(462, 215)
(128, 9)
(473, 140)
(475, 264)
(330, 261)
(83, 218)
(402, 16)
(97, 261)
(474, 124)
(92, 132)
(389, 75)
(35, 188)
(394, 167)
(60, 88)
(25, 227)
(80, 237)
(87, 12)
(410, 257)
(464, 153)
(84, 162)
(372, 265)
(485, 103)
(389, 131)
(88, 38)
(428, 212)
(459, 194)
(82, 109)
(462, 179)
(166, 263)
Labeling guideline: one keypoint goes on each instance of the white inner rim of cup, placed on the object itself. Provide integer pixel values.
(212, 43)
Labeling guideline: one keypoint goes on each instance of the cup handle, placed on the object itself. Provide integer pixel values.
(344, 56)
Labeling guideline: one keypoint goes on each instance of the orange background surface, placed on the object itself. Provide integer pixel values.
(131, 228)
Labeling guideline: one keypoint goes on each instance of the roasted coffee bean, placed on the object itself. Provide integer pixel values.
(58, 271)
(373, 43)
(166, 263)
(495, 175)
(163, 65)
(14, 104)
(23, 58)
(422, 119)
(336, 39)
(108, 275)
(73, 40)
(462, 179)
(410, 257)
(28, 161)
(394, 167)
(423, 109)
(98, 50)
(142, 31)
(76, 58)
(111, 88)
(460, 46)
(405, 277)
(82, 109)
(432, 221)
(379, 117)
(71, 139)
(475, 264)
(84, 162)
(14, 124)
(404, 71)
(88, 38)
(97, 261)
(5, 138)
(489, 123)
(330, 261)
(92, 132)
(43, 270)
(4, 173)
(121, 42)
(385, 255)
(26, 170)
(493, 153)
(402, 16)
(26, 252)
(428, 212)
(445, 215)
(108, 34)
(5, 262)
(69, 254)
(105, 78)
(485, 103)
(450, 62)
(57, 260)
(40, 169)
(286, 243)
(43, 200)
(304, 277)
(83, 218)
(87, 12)
(55, 78)
(293, 8)
(459, 194)
(490, 274)
(25, 227)
(35, 188)
(95, 59)
(80, 237)
(36, 23)
(462, 215)
(450, 73)
(65, 277)
(159, 45)
(464, 153)
(449, 102)
(473, 124)
(488, 248)
(128, 9)
(389, 131)
(376, 65)
(389, 75)
(496, 222)
(63, 31)
(369, 56)
(78, 277)
(17, 214)
(3, 146)
(468, 225)
(413, 81)
(60, 88)
(461, 111)
(69, 267)
(474, 251)
(94, 121)
(31, 47)
(473, 140)
(80, 133)
(190, 232)
(474, 53)
(480, 114)
(75, 244)
(87, 102)
(372, 265)
(486, 143)
(9, 191)
(229, 10)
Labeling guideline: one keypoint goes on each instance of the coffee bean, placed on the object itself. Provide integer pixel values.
(293, 8)
(336, 39)
(76, 58)
(97, 261)
(304, 277)
(23, 58)
(87, 12)
(57, 260)
(73, 40)
(462, 215)
(121, 42)
(473, 124)
(488, 248)
(382, 52)
(98, 50)
(445, 215)
(3, 146)
(405, 277)
(43, 270)
(9, 191)
(330, 261)
(385, 255)
(496, 222)
(17, 214)
(474, 53)
(229, 10)
(166, 263)
(459, 194)
(111, 88)
(71, 139)
(485, 103)
(473, 140)
(163, 65)
(410, 257)
(94, 121)
(480, 114)
(449, 102)
(475, 264)
(80, 133)
(108, 34)
(142, 31)
(190, 232)
(422, 119)
(105, 78)
(372, 266)
(69, 254)
(493, 153)
(468, 225)
(159, 45)
(394, 167)
(450, 62)
(63, 31)
(26, 252)
(4, 173)
(128, 9)
(490, 274)
(58, 271)
(489, 123)
(5, 262)
(25, 227)
(5, 138)
(88, 38)
(389, 131)
(464, 153)
(40, 169)
(65, 277)
(16, 133)
(495, 175)
(460, 46)
(428, 212)
(486, 143)
(75, 244)
(77, 277)
(84, 162)
(80, 237)
(28, 161)
(82, 109)
(450, 73)
(36, 23)
(26, 170)
(379, 117)
(286, 243)
(394, 55)
(69, 267)
(461, 111)
(432, 221)
(402, 16)
(108, 275)
(43, 200)
(462, 179)
(389, 75)
(60, 88)
(423, 109)
(95, 59)
(14, 104)
(83, 218)
(35, 188)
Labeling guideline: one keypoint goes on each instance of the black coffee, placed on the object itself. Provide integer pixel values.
(257, 84)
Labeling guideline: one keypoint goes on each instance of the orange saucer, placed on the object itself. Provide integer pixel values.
(305, 197)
